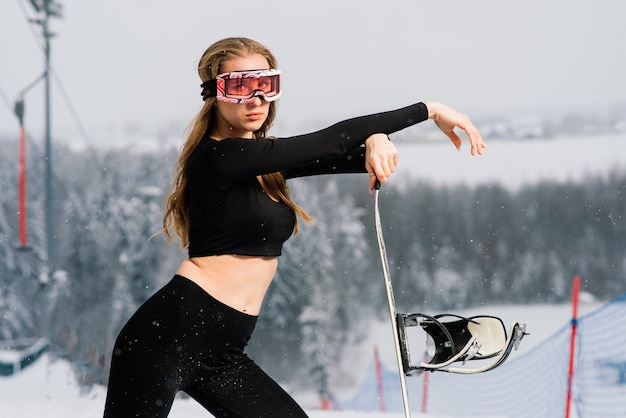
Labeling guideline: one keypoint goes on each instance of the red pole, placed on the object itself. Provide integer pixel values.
(22, 186)
(572, 345)
(425, 388)
(325, 404)
(379, 380)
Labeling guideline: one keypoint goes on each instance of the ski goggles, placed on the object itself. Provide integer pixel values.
(243, 86)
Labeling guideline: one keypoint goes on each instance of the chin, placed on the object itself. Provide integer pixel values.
(254, 126)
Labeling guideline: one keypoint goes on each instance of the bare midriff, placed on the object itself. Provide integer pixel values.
(237, 281)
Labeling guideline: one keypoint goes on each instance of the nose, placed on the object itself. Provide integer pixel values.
(258, 101)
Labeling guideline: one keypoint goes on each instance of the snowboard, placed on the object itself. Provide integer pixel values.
(460, 340)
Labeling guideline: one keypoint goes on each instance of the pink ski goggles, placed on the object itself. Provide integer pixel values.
(243, 86)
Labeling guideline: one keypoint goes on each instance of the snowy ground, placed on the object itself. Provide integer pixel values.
(48, 388)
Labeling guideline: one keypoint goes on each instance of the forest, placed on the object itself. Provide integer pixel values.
(449, 247)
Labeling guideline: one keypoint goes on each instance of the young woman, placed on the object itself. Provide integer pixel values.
(231, 208)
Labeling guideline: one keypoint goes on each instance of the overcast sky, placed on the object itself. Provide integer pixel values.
(133, 62)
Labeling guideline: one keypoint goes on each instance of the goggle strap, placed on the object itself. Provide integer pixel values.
(209, 89)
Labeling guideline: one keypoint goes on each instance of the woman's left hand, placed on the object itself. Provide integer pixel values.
(381, 158)
(447, 118)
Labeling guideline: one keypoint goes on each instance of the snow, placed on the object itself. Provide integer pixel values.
(49, 387)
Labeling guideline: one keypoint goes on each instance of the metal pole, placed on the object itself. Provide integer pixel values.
(49, 265)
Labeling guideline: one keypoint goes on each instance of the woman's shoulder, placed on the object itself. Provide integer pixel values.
(208, 143)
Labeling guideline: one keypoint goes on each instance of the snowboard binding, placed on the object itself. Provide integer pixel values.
(459, 340)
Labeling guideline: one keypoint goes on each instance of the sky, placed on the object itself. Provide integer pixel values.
(125, 66)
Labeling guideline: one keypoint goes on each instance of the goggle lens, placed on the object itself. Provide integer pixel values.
(243, 86)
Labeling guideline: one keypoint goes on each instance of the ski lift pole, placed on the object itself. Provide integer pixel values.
(48, 8)
(48, 145)
(391, 302)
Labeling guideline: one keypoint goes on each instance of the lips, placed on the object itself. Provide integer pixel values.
(254, 116)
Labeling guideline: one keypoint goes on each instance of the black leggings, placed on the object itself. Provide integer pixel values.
(184, 339)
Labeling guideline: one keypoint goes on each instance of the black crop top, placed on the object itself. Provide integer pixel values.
(229, 211)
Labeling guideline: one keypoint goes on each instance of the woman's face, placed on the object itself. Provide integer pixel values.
(241, 120)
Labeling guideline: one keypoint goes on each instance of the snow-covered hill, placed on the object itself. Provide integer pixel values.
(512, 164)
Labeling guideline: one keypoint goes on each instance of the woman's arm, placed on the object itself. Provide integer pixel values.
(349, 163)
(233, 159)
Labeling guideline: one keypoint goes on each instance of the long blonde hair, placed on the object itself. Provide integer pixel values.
(177, 204)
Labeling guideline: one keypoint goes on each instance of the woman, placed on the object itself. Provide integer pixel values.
(231, 208)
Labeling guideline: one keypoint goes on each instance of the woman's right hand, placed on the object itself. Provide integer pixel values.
(447, 119)
(381, 158)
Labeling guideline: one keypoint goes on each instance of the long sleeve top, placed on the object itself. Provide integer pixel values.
(229, 211)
